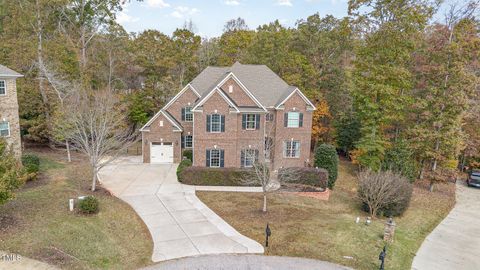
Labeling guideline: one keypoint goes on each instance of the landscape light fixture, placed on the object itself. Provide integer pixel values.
(268, 233)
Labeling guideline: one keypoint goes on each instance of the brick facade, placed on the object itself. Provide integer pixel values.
(237, 94)
(9, 113)
(159, 134)
(234, 138)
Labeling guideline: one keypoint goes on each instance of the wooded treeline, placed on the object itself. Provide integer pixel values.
(393, 89)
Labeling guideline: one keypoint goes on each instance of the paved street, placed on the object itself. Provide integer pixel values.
(455, 242)
(180, 224)
(245, 262)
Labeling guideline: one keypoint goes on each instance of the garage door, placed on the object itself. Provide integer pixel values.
(161, 152)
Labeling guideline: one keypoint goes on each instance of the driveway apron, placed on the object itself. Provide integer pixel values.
(455, 242)
(179, 223)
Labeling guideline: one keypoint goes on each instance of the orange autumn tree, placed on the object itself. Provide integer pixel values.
(322, 130)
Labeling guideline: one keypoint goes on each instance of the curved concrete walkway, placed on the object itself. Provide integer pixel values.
(246, 262)
(455, 242)
(180, 224)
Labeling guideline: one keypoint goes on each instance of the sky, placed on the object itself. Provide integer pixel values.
(209, 16)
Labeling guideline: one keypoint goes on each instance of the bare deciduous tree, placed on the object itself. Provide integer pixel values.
(381, 189)
(257, 157)
(98, 127)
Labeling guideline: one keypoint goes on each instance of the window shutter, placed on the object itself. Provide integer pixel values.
(300, 121)
(183, 141)
(207, 159)
(222, 117)
(285, 119)
(257, 120)
(244, 121)
(256, 155)
(222, 160)
(183, 114)
(242, 159)
(209, 117)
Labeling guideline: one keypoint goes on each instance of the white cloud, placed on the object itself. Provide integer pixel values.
(157, 3)
(284, 3)
(232, 3)
(181, 12)
(123, 17)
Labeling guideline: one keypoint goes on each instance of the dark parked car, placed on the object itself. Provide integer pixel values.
(474, 178)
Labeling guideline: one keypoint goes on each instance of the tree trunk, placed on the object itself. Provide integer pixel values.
(422, 167)
(69, 157)
(432, 184)
(94, 179)
(40, 77)
(264, 202)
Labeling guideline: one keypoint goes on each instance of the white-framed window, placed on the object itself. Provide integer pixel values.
(250, 121)
(293, 119)
(291, 149)
(215, 123)
(161, 123)
(188, 141)
(4, 129)
(3, 88)
(250, 156)
(215, 158)
(188, 114)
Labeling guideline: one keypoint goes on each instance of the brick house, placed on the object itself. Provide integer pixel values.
(230, 116)
(9, 120)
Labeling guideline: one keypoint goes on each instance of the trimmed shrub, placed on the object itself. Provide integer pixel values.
(89, 205)
(303, 175)
(31, 163)
(188, 154)
(203, 176)
(326, 157)
(183, 164)
(384, 193)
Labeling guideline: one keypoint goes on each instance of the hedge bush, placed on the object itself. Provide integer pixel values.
(326, 157)
(317, 177)
(88, 205)
(188, 154)
(31, 165)
(183, 164)
(203, 176)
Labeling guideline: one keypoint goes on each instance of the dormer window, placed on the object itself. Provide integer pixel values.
(230, 88)
(3, 88)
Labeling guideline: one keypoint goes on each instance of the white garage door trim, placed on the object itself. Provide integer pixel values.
(161, 152)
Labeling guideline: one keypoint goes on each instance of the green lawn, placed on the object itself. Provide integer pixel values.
(37, 223)
(306, 227)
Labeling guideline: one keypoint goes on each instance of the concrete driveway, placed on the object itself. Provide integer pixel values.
(245, 262)
(180, 224)
(455, 242)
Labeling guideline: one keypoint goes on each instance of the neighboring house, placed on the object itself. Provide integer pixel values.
(9, 121)
(225, 116)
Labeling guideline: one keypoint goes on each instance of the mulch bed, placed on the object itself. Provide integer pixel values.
(306, 191)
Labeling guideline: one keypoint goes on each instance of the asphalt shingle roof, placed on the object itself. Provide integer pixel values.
(6, 72)
(267, 87)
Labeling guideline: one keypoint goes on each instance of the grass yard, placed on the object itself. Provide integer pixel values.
(306, 227)
(37, 224)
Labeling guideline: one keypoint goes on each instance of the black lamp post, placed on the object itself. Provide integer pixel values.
(268, 232)
(382, 256)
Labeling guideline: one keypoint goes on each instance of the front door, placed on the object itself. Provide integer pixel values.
(161, 152)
